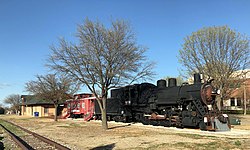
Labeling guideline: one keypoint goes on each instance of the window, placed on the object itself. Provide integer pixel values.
(46, 110)
(132, 93)
(83, 105)
(238, 101)
(232, 102)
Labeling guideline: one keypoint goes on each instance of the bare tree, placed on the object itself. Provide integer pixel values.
(52, 88)
(14, 101)
(103, 58)
(216, 52)
(179, 79)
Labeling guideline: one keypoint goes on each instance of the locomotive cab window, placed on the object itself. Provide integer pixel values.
(132, 93)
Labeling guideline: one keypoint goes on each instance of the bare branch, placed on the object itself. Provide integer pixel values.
(216, 52)
(103, 58)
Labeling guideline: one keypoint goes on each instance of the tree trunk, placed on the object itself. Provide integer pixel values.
(218, 102)
(221, 104)
(104, 119)
(104, 113)
(55, 117)
(220, 99)
(16, 111)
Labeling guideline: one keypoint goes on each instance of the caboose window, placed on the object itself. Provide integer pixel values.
(83, 105)
(78, 105)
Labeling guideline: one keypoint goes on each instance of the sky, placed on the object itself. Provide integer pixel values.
(28, 28)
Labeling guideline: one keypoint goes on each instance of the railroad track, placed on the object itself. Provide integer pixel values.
(28, 140)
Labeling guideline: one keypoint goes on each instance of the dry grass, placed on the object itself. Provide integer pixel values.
(81, 135)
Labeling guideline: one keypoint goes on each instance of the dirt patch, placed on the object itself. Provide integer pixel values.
(80, 135)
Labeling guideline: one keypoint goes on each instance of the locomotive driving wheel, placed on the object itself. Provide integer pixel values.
(144, 120)
(202, 126)
(179, 122)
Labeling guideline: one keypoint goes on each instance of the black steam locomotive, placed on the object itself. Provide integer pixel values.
(191, 106)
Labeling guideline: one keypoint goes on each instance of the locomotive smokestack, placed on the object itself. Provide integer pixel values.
(171, 82)
(161, 83)
(197, 78)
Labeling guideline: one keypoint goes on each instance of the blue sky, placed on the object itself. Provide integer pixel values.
(29, 27)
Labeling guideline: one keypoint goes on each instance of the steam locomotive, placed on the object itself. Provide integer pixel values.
(188, 105)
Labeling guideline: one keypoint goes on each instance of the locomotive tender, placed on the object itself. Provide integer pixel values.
(191, 106)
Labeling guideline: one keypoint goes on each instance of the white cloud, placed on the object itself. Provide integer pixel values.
(3, 85)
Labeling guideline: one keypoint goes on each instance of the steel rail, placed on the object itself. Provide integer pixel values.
(17, 140)
(42, 138)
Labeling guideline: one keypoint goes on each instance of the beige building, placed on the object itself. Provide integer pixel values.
(31, 106)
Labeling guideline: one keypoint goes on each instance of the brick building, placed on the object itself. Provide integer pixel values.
(236, 99)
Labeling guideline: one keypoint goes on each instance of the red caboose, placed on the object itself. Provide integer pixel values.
(80, 107)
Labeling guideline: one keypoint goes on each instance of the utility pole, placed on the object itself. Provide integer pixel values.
(245, 98)
(245, 95)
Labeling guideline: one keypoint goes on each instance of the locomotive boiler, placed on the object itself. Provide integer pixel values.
(187, 105)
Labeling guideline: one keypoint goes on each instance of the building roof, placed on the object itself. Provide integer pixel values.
(239, 92)
(33, 100)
